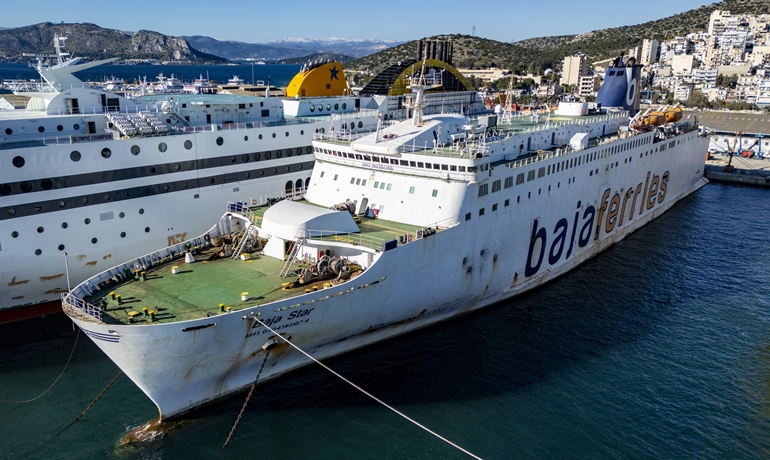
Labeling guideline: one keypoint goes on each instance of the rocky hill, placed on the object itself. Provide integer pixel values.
(316, 56)
(94, 42)
(537, 54)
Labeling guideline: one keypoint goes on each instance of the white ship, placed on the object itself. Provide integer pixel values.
(468, 213)
(105, 178)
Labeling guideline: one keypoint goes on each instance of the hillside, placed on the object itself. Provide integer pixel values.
(538, 54)
(94, 42)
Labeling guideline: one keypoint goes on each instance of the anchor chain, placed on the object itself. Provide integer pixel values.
(90, 405)
(246, 403)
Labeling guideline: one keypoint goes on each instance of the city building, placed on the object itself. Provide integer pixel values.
(574, 67)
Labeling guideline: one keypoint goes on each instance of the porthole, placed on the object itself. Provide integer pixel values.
(75, 156)
(245, 138)
(312, 109)
(135, 150)
(40, 229)
(288, 169)
(107, 197)
(289, 152)
(320, 108)
(141, 211)
(300, 166)
(147, 191)
(106, 153)
(309, 150)
(27, 186)
(8, 131)
(220, 141)
(146, 229)
(162, 147)
(153, 170)
(336, 106)
(165, 187)
(122, 234)
(273, 135)
(188, 144)
(268, 155)
(18, 162)
(64, 225)
(62, 203)
(344, 106)
(76, 126)
(14, 234)
(233, 160)
(261, 172)
(211, 181)
(184, 184)
(302, 133)
(256, 156)
(122, 215)
(275, 170)
(177, 166)
(93, 240)
(328, 107)
(37, 208)
(278, 153)
(87, 221)
(287, 134)
(46, 184)
(344, 126)
(38, 252)
(245, 158)
(60, 128)
(5, 189)
(41, 129)
(61, 247)
(84, 200)
(360, 124)
(260, 136)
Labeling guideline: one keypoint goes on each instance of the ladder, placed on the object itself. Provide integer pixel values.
(296, 246)
(245, 235)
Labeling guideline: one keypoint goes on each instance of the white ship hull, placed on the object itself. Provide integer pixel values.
(544, 230)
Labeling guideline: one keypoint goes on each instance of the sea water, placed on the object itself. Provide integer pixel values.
(657, 348)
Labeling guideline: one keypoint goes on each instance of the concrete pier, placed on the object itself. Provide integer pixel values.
(747, 171)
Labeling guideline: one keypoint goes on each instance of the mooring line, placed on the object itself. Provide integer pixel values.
(54, 382)
(370, 395)
(246, 403)
(90, 405)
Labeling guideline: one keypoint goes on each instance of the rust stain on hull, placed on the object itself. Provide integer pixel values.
(91, 264)
(49, 278)
(16, 283)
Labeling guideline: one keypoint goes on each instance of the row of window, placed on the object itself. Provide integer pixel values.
(76, 156)
(320, 107)
(41, 129)
(398, 162)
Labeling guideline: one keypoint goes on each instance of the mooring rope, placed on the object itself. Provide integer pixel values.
(90, 405)
(246, 403)
(54, 382)
(369, 394)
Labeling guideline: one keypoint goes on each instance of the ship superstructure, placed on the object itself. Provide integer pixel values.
(415, 223)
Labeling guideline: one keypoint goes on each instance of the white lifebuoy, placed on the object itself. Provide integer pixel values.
(253, 202)
(206, 238)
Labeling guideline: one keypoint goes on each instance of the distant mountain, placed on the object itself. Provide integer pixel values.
(288, 48)
(94, 42)
(316, 56)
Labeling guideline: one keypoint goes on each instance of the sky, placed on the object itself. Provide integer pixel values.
(400, 20)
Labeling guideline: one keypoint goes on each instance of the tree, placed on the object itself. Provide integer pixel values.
(697, 99)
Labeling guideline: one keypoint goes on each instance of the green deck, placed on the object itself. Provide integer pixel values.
(198, 289)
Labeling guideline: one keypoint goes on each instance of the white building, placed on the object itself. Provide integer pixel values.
(650, 51)
(574, 67)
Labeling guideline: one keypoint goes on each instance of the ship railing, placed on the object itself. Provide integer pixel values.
(355, 239)
(242, 208)
(75, 303)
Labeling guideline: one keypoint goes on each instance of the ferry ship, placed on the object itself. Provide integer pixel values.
(104, 178)
(416, 223)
